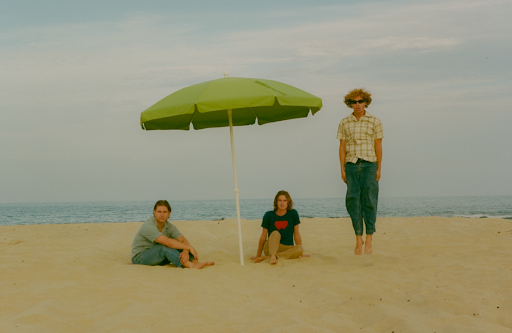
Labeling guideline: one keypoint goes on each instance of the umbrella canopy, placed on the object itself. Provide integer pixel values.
(230, 101)
(205, 104)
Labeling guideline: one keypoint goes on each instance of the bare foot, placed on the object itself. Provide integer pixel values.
(368, 248)
(273, 260)
(359, 248)
(198, 265)
(260, 259)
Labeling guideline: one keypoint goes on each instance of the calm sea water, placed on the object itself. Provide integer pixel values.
(128, 211)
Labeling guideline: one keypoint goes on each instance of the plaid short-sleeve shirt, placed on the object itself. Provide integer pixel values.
(360, 136)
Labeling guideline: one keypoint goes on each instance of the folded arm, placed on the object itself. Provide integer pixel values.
(181, 243)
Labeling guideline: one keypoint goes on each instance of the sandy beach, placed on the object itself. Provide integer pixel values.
(427, 274)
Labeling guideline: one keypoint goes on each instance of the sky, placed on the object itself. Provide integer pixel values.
(75, 76)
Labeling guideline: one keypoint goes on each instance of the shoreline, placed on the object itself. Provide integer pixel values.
(249, 220)
(426, 274)
(89, 212)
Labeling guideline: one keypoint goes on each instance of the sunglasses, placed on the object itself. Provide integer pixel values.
(361, 101)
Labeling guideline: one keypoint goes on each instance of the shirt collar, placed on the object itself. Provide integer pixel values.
(366, 114)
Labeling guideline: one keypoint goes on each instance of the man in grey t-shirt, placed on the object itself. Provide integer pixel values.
(158, 242)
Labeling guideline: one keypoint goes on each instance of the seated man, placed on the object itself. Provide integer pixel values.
(282, 227)
(158, 242)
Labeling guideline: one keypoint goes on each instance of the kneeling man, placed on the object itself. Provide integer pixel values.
(282, 227)
(158, 242)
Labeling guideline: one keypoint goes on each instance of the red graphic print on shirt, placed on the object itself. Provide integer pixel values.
(281, 224)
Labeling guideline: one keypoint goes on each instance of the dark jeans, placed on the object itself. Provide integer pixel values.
(159, 255)
(362, 195)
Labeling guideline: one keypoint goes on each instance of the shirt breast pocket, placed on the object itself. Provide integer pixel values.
(369, 130)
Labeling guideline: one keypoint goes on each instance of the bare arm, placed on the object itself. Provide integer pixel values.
(297, 238)
(378, 152)
(183, 240)
(176, 244)
(261, 241)
(343, 155)
(296, 235)
(184, 257)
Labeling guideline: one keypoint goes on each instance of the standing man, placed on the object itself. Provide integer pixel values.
(158, 242)
(360, 136)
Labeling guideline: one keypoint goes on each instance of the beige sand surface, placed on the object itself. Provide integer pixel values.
(426, 275)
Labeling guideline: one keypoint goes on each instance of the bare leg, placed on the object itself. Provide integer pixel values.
(368, 248)
(273, 244)
(359, 245)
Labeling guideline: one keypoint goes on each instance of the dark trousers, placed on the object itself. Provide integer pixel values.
(362, 195)
(159, 255)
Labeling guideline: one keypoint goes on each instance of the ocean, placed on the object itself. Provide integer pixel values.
(190, 210)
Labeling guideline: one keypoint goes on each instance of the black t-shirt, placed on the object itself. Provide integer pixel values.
(284, 224)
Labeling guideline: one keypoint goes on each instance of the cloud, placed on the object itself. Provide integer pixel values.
(74, 92)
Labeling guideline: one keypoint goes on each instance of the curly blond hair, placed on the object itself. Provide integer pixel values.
(358, 92)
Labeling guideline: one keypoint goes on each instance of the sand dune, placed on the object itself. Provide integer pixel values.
(427, 274)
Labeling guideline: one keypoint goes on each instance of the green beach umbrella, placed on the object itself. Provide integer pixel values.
(230, 101)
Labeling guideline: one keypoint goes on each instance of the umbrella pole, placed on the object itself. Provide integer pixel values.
(230, 112)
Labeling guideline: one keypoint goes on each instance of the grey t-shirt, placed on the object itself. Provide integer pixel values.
(145, 237)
